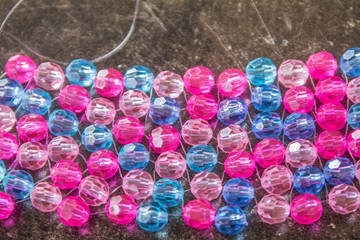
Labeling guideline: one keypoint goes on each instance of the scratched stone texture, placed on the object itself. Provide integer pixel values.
(175, 35)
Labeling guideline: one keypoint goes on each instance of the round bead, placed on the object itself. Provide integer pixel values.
(299, 99)
(128, 129)
(331, 89)
(6, 205)
(330, 144)
(168, 192)
(63, 122)
(277, 179)
(266, 98)
(309, 179)
(350, 62)
(293, 73)
(230, 220)
(199, 214)
(36, 101)
(93, 190)
(198, 80)
(331, 116)
(134, 103)
(339, 170)
(20, 68)
(2, 170)
(139, 77)
(66, 174)
(32, 128)
(239, 164)
(45, 197)
(74, 98)
(232, 138)
(353, 90)
(306, 209)
(300, 153)
(299, 125)
(273, 209)
(353, 143)
(344, 199)
(321, 64)
(164, 110)
(269, 152)
(170, 164)
(9, 145)
(7, 118)
(81, 72)
(202, 106)
(63, 148)
(168, 84)
(73, 212)
(121, 209)
(164, 138)
(32, 155)
(103, 163)
(100, 111)
(152, 216)
(196, 131)
(232, 83)
(354, 116)
(138, 184)
(232, 111)
(49, 76)
(133, 156)
(357, 170)
(261, 71)
(96, 137)
(267, 125)
(206, 185)
(201, 158)
(18, 184)
(109, 83)
(11, 92)
(238, 191)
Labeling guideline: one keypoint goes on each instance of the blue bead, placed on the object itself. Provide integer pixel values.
(133, 156)
(354, 116)
(96, 137)
(350, 62)
(261, 71)
(168, 192)
(267, 125)
(230, 220)
(152, 216)
(18, 184)
(201, 158)
(238, 191)
(266, 98)
(11, 92)
(298, 126)
(139, 77)
(309, 180)
(164, 110)
(2, 170)
(339, 170)
(63, 122)
(36, 101)
(232, 111)
(81, 72)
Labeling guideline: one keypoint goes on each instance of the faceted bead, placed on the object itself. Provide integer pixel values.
(354, 116)
(293, 73)
(339, 170)
(277, 179)
(232, 83)
(170, 164)
(230, 220)
(269, 152)
(331, 89)
(133, 156)
(306, 209)
(196, 131)
(198, 80)
(7, 118)
(164, 138)
(206, 185)
(331, 116)
(2, 170)
(344, 199)
(299, 99)
(100, 111)
(350, 62)
(164, 110)
(128, 130)
(96, 137)
(353, 90)
(11, 92)
(168, 84)
(299, 125)
(232, 138)
(121, 209)
(32, 128)
(81, 72)
(103, 163)
(45, 197)
(353, 143)
(74, 98)
(134, 103)
(93, 190)
(73, 212)
(109, 83)
(139, 77)
(300, 153)
(330, 144)
(266, 98)
(201, 158)
(20, 68)
(238, 191)
(321, 64)
(138, 184)
(199, 214)
(152, 216)
(202, 106)
(49, 76)
(6, 205)
(63, 148)
(66, 174)
(232, 111)
(261, 71)
(168, 192)
(18, 184)
(239, 164)
(273, 209)
(267, 125)
(63, 122)
(32, 155)
(309, 179)
(9, 145)
(36, 101)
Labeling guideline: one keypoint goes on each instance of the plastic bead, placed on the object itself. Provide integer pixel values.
(261, 71)
(309, 179)
(66, 174)
(354, 116)
(266, 98)
(330, 144)
(2, 170)
(49, 76)
(96, 137)
(11, 92)
(139, 77)
(168, 84)
(138, 184)
(170, 164)
(36, 101)
(100, 111)
(350, 62)
(164, 110)
(6, 205)
(81, 72)
(121, 209)
(269, 152)
(353, 143)
(238, 191)
(277, 179)
(32, 128)
(232, 83)
(344, 199)
(63, 148)
(128, 129)
(273, 209)
(353, 90)
(198, 80)
(357, 170)
(267, 125)
(331, 116)
(152, 216)
(168, 192)
(230, 220)
(321, 64)
(331, 89)
(74, 98)
(199, 214)
(201, 158)
(134, 103)
(109, 83)
(164, 138)
(196, 131)
(20, 68)
(206, 185)
(45, 197)
(133, 156)
(103, 163)
(7, 118)
(232, 111)
(202, 106)
(232, 138)
(32, 155)
(18, 184)
(293, 73)
(63, 122)
(9, 145)
(306, 209)
(300, 153)
(239, 164)
(93, 190)
(299, 99)
(73, 212)
(299, 125)
(339, 170)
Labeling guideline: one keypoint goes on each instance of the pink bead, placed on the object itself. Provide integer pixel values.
(293, 73)
(49, 76)
(109, 82)
(32, 155)
(199, 214)
(232, 139)
(73, 212)
(299, 99)
(128, 130)
(239, 164)
(66, 174)
(168, 84)
(357, 170)
(20, 68)
(138, 184)
(344, 199)
(6, 205)
(94, 191)
(9, 145)
(232, 83)
(63, 148)
(321, 64)
(330, 144)
(202, 106)
(198, 80)
(353, 143)
(32, 128)
(331, 116)
(74, 98)
(7, 118)
(103, 163)
(269, 152)
(277, 179)
(100, 111)
(306, 209)
(331, 89)
(273, 209)
(300, 153)
(206, 185)
(45, 197)
(121, 209)
(353, 90)
(134, 103)
(196, 131)
(164, 138)
(170, 164)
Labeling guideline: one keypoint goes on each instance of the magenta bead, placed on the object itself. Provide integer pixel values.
(32, 128)
(32, 155)
(100, 111)
(199, 214)
(232, 139)
(109, 82)
(273, 209)
(331, 89)
(9, 145)
(66, 174)
(239, 164)
(45, 197)
(206, 185)
(353, 90)
(6, 205)
(299, 99)
(170, 164)
(198, 80)
(74, 98)
(202, 106)
(168, 84)
(344, 199)
(330, 144)
(138, 184)
(134, 103)
(73, 212)
(277, 179)
(49, 76)
(293, 73)
(63, 148)
(20, 68)
(7, 118)
(331, 116)
(164, 138)
(121, 209)
(300, 153)
(103, 163)
(128, 130)
(196, 131)
(93, 190)
(269, 152)
(306, 209)
(353, 143)
(321, 64)
(232, 83)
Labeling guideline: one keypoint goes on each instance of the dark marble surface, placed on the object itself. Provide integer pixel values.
(175, 35)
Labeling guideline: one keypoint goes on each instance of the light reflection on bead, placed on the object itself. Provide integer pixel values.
(93, 190)
(49, 76)
(121, 209)
(138, 77)
(350, 62)
(63, 122)
(198, 80)
(344, 199)
(103, 163)
(170, 164)
(133, 156)
(73, 212)
(299, 126)
(32, 128)
(293, 73)
(20, 68)
(36, 101)
(100, 111)
(266, 98)
(277, 179)
(138, 184)
(202, 106)
(109, 82)
(32, 155)
(232, 138)
(164, 110)
(152, 216)
(81, 72)
(339, 170)
(134, 103)
(164, 138)
(239, 164)
(168, 84)
(11, 92)
(201, 158)
(199, 214)
(273, 209)
(230, 220)
(309, 180)
(128, 129)
(232, 111)
(332, 116)
(74, 98)
(7, 118)
(261, 71)
(300, 153)
(267, 125)
(63, 148)
(206, 185)
(353, 90)
(168, 192)
(321, 64)
(238, 191)
(18, 184)
(196, 131)
(299, 99)
(354, 116)
(96, 137)
(66, 174)
(232, 83)
(269, 152)
(45, 197)
(331, 89)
